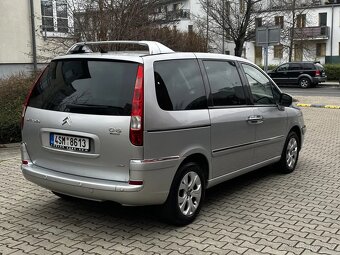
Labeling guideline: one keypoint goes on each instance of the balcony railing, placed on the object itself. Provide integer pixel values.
(174, 15)
(179, 14)
(303, 33)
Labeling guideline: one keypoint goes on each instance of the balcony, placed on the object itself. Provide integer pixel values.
(311, 33)
(178, 14)
(171, 16)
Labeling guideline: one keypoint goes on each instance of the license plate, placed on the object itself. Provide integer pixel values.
(74, 143)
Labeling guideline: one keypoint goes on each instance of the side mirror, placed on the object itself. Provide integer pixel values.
(285, 100)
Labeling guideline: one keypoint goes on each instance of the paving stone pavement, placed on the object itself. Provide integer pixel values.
(260, 213)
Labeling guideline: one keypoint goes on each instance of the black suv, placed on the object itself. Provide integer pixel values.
(304, 74)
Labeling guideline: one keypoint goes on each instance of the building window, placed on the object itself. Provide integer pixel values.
(242, 6)
(258, 22)
(301, 20)
(258, 55)
(323, 19)
(226, 7)
(244, 52)
(321, 49)
(298, 52)
(279, 21)
(54, 16)
(190, 28)
(278, 51)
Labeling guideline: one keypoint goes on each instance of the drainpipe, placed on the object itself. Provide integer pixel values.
(34, 44)
(223, 28)
(332, 34)
(207, 26)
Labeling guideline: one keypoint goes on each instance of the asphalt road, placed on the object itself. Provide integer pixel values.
(332, 91)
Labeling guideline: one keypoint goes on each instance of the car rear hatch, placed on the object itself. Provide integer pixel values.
(78, 117)
(321, 69)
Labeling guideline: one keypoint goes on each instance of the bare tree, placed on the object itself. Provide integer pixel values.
(232, 20)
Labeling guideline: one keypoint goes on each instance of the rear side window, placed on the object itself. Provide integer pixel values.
(87, 87)
(179, 85)
(308, 66)
(319, 67)
(225, 83)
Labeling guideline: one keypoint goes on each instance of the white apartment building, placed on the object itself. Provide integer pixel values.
(317, 30)
(27, 28)
(317, 33)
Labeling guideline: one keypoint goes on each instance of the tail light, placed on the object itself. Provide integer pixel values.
(24, 106)
(25, 158)
(317, 73)
(137, 112)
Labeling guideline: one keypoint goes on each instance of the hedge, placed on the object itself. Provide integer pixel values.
(13, 91)
(332, 71)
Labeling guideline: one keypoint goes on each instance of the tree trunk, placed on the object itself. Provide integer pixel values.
(238, 48)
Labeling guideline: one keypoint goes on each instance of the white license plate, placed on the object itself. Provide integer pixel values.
(74, 143)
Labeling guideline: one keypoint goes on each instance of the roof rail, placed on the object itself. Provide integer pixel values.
(154, 47)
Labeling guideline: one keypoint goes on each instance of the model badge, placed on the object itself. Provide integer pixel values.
(115, 131)
(67, 120)
(33, 120)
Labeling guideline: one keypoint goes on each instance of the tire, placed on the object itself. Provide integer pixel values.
(183, 203)
(305, 83)
(290, 154)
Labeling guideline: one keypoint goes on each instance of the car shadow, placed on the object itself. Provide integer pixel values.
(79, 211)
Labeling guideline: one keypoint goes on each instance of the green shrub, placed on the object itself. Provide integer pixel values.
(13, 91)
(270, 67)
(332, 71)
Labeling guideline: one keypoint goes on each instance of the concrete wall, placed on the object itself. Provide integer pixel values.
(15, 31)
(16, 37)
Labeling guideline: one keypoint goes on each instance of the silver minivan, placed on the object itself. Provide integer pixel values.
(153, 127)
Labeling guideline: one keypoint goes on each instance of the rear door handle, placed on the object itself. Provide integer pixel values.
(255, 119)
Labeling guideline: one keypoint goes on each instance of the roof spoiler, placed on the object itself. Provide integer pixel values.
(153, 47)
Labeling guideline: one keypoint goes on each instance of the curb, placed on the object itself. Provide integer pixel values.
(320, 106)
(9, 145)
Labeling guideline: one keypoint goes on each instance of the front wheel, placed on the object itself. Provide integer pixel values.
(186, 195)
(290, 154)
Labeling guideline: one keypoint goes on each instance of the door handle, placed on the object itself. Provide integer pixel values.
(255, 119)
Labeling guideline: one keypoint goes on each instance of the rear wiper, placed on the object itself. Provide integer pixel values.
(93, 106)
(95, 109)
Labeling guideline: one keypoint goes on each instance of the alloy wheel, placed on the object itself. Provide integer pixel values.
(292, 152)
(189, 193)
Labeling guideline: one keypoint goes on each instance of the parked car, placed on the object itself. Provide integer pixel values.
(304, 74)
(154, 128)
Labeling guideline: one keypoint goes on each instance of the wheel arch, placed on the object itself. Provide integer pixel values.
(201, 160)
(297, 130)
(305, 76)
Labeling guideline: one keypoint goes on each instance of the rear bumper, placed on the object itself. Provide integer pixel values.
(156, 176)
(320, 79)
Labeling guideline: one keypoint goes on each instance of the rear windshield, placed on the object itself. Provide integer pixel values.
(86, 86)
(319, 67)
